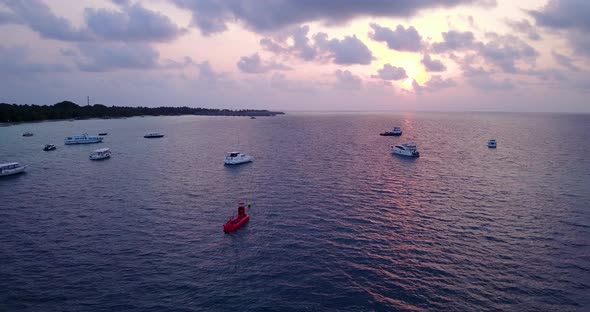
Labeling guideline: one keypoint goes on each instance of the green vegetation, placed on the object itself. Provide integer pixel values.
(70, 110)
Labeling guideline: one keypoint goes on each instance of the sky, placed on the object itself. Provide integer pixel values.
(299, 55)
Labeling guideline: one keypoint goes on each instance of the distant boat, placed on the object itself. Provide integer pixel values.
(103, 133)
(153, 135)
(49, 147)
(236, 158)
(11, 168)
(252, 117)
(407, 149)
(492, 143)
(101, 153)
(82, 139)
(397, 131)
(27, 134)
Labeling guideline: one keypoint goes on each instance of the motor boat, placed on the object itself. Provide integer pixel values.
(49, 147)
(11, 168)
(252, 117)
(397, 131)
(101, 153)
(153, 135)
(27, 134)
(82, 139)
(238, 220)
(492, 143)
(407, 149)
(236, 158)
(103, 133)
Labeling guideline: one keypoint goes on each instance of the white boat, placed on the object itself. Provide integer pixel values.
(101, 153)
(83, 139)
(153, 135)
(407, 149)
(236, 158)
(397, 131)
(492, 143)
(49, 147)
(11, 168)
(27, 134)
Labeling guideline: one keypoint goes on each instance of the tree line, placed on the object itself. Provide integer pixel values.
(71, 110)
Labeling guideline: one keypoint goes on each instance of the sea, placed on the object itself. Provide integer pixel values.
(337, 223)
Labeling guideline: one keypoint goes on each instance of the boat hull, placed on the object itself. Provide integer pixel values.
(235, 223)
(405, 153)
(241, 160)
(8, 172)
(52, 148)
(153, 136)
(83, 142)
(390, 134)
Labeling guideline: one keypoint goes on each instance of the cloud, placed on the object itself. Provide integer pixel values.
(345, 80)
(347, 51)
(505, 51)
(389, 72)
(454, 40)
(254, 65)
(487, 83)
(433, 65)
(435, 83)
(524, 27)
(112, 56)
(133, 23)
(565, 61)
(564, 14)
(400, 39)
(570, 16)
(212, 16)
(7, 18)
(280, 82)
(13, 61)
(38, 16)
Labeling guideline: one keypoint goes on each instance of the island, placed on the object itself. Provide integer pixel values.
(14, 113)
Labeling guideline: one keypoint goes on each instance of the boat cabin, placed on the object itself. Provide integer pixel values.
(232, 154)
(8, 166)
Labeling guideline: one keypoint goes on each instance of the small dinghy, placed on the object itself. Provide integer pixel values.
(49, 147)
(238, 220)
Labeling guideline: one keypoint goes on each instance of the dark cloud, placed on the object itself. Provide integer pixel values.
(389, 72)
(121, 2)
(14, 61)
(211, 16)
(505, 51)
(114, 56)
(564, 14)
(133, 23)
(454, 40)
(254, 65)
(433, 65)
(296, 43)
(570, 16)
(347, 51)
(400, 39)
(38, 16)
(565, 61)
(345, 80)
(524, 27)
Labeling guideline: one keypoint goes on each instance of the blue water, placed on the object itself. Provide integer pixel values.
(337, 223)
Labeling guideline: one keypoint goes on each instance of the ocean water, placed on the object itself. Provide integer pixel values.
(337, 222)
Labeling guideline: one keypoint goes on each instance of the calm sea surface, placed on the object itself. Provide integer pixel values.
(337, 223)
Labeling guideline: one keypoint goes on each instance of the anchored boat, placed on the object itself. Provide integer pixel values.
(238, 220)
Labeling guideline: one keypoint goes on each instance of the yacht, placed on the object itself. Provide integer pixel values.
(236, 158)
(101, 153)
(492, 143)
(407, 149)
(11, 168)
(49, 147)
(152, 135)
(397, 131)
(27, 134)
(83, 139)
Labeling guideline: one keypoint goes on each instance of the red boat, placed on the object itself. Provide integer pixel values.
(238, 220)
